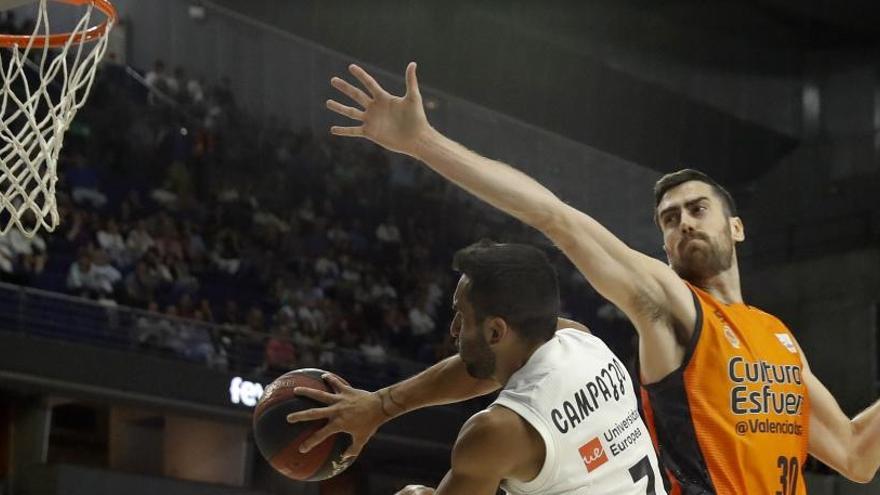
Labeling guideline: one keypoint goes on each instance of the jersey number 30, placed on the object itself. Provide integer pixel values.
(789, 475)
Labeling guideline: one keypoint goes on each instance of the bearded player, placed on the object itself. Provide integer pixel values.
(733, 403)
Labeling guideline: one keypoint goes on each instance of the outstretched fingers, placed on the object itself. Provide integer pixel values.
(351, 91)
(347, 131)
(350, 112)
(367, 80)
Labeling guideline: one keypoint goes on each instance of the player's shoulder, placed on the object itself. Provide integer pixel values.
(497, 435)
(770, 320)
(495, 421)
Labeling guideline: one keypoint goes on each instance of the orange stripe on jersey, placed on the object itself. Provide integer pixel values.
(734, 418)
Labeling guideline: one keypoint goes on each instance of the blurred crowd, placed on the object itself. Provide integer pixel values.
(237, 235)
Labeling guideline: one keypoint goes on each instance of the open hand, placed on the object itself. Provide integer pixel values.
(394, 122)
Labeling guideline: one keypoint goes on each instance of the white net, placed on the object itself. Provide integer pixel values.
(43, 87)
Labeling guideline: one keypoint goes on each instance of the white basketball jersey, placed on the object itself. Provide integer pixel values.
(576, 393)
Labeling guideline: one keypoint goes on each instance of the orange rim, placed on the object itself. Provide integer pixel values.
(61, 39)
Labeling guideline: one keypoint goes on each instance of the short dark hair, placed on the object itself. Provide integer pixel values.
(678, 178)
(515, 282)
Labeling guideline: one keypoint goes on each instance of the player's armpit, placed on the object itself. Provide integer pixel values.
(644, 288)
(493, 445)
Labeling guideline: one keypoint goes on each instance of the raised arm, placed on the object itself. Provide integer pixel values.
(648, 291)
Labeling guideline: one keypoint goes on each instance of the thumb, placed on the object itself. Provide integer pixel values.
(412, 82)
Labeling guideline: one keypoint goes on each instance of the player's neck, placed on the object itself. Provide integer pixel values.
(724, 286)
(516, 360)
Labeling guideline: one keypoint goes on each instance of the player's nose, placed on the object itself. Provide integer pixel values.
(687, 224)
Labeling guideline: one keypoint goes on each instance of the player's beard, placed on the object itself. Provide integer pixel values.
(713, 256)
(479, 360)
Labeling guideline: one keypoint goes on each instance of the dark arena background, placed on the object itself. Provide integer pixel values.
(214, 235)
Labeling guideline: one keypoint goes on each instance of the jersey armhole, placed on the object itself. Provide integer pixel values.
(689, 351)
(534, 419)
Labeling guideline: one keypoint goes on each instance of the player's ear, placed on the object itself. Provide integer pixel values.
(496, 329)
(737, 229)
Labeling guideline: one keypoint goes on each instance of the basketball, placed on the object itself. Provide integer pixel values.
(279, 441)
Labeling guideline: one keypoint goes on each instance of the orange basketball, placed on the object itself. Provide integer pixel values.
(279, 441)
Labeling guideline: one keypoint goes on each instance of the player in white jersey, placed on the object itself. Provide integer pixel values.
(566, 419)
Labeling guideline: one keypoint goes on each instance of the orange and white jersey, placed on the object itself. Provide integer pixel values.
(734, 418)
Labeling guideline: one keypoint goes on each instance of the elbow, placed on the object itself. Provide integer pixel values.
(862, 478)
(864, 474)
(860, 469)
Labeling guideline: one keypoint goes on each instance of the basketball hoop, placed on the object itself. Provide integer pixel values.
(45, 79)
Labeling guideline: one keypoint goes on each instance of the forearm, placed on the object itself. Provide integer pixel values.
(446, 382)
(494, 182)
(607, 262)
(866, 454)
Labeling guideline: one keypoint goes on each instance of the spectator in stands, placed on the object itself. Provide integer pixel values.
(195, 91)
(311, 316)
(156, 81)
(280, 351)
(168, 241)
(227, 251)
(22, 258)
(184, 280)
(139, 240)
(382, 290)
(422, 325)
(141, 285)
(194, 245)
(110, 240)
(149, 329)
(196, 340)
(373, 350)
(175, 82)
(172, 337)
(81, 277)
(106, 277)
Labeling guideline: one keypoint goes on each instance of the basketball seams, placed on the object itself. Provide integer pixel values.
(282, 389)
